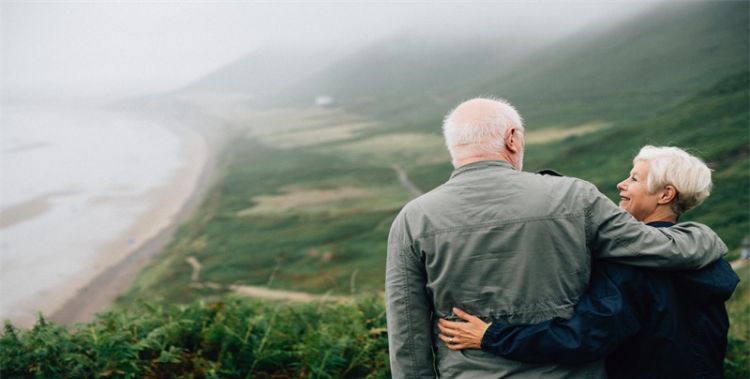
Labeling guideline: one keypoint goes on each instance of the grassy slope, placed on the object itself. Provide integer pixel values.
(620, 74)
(334, 245)
(637, 68)
(703, 107)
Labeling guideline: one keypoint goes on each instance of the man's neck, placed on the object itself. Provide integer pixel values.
(483, 157)
(467, 161)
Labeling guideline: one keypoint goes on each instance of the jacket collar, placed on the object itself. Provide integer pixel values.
(480, 165)
(660, 224)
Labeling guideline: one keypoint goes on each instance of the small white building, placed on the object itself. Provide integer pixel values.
(324, 101)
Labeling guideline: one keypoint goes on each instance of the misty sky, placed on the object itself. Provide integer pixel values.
(122, 46)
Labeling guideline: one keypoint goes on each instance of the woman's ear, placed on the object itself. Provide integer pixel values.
(667, 195)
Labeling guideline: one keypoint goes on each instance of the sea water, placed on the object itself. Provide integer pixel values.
(72, 181)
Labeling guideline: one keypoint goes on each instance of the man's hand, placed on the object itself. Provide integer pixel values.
(462, 335)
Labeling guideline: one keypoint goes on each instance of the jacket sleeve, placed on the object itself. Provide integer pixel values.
(605, 316)
(612, 233)
(408, 309)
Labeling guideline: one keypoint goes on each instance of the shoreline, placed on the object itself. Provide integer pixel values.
(116, 270)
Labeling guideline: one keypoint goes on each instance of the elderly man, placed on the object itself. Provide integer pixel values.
(507, 245)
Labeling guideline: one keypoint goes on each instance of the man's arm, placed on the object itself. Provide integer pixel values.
(408, 309)
(612, 233)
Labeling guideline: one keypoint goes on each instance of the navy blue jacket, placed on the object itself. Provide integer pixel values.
(647, 323)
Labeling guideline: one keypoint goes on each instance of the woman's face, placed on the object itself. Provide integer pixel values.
(634, 195)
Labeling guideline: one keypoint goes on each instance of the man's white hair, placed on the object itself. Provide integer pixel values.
(673, 166)
(485, 134)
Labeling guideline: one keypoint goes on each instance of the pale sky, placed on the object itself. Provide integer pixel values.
(120, 46)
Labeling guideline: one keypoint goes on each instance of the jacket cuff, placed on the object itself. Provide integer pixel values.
(492, 335)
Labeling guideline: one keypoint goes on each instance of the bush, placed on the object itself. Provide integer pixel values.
(236, 338)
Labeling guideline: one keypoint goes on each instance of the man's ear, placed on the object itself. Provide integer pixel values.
(667, 195)
(513, 140)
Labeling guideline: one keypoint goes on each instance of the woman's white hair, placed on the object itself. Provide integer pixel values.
(673, 166)
(485, 134)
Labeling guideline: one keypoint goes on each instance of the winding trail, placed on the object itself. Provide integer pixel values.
(737, 263)
(270, 294)
(406, 182)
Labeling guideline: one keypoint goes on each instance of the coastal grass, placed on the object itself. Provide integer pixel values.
(235, 337)
(231, 338)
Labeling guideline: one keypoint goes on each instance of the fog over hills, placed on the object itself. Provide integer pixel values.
(433, 55)
(264, 72)
(655, 60)
(652, 57)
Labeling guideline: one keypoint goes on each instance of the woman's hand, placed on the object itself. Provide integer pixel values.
(462, 335)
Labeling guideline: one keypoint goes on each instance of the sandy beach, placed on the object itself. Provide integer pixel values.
(171, 204)
(200, 128)
(164, 207)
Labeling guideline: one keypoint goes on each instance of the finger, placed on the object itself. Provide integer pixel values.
(451, 326)
(448, 322)
(471, 319)
(463, 315)
(458, 346)
(445, 339)
(443, 329)
(459, 328)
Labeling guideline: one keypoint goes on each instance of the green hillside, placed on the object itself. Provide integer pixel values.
(712, 124)
(309, 192)
(634, 69)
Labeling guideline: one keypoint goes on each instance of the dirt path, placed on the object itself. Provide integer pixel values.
(270, 294)
(406, 182)
(304, 297)
(737, 263)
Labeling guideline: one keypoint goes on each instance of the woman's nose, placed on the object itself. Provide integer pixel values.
(621, 185)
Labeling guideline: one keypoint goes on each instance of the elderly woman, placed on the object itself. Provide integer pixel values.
(646, 323)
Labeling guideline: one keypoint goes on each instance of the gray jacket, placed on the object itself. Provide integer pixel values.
(514, 246)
